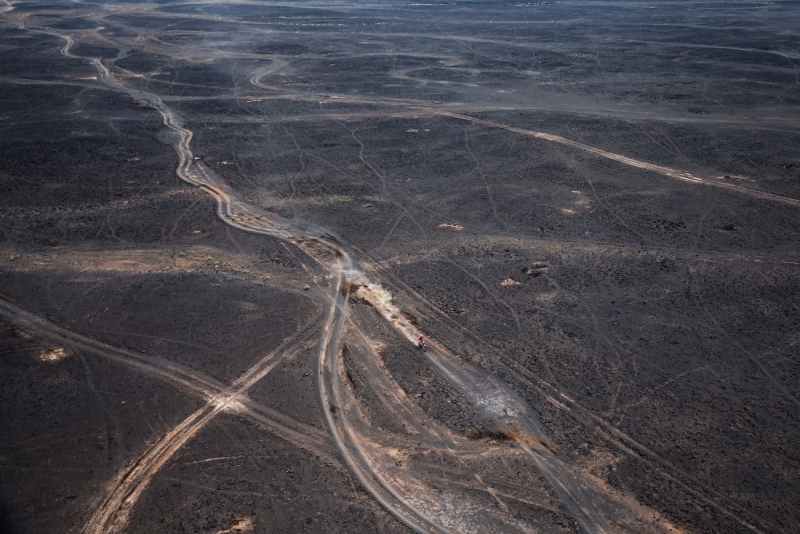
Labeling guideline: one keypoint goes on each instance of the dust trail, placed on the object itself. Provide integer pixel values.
(362, 288)
(403, 496)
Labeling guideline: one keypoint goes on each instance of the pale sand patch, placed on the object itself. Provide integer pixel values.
(51, 356)
(240, 524)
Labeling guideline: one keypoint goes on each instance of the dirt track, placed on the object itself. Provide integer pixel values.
(509, 237)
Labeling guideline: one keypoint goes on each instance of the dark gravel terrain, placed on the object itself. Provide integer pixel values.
(592, 211)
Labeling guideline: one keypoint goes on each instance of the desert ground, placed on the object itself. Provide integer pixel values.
(224, 225)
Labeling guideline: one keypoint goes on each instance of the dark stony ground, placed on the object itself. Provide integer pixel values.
(651, 322)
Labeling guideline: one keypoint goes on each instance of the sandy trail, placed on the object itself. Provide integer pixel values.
(683, 176)
(186, 378)
(113, 513)
(255, 78)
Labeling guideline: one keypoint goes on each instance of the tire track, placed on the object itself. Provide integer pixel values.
(187, 379)
(112, 515)
(255, 78)
(659, 169)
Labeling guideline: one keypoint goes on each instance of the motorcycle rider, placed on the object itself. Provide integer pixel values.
(421, 341)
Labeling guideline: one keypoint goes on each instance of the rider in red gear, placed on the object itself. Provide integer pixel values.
(421, 341)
